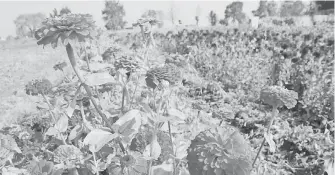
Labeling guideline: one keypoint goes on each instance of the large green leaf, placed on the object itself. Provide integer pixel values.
(97, 138)
(153, 149)
(60, 126)
(96, 79)
(75, 132)
(128, 124)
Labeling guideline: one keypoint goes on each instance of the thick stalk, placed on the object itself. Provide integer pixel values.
(133, 96)
(174, 160)
(123, 96)
(95, 163)
(82, 110)
(152, 39)
(73, 62)
(274, 114)
(87, 61)
(154, 137)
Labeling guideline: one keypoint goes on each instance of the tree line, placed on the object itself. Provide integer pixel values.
(114, 14)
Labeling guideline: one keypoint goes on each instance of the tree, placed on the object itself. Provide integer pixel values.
(9, 38)
(266, 8)
(223, 22)
(292, 8)
(54, 13)
(113, 15)
(149, 14)
(196, 20)
(234, 11)
(322, 7)
(319, 7)
(64, 10)
(160, 17)
(325, 5)
(197, 14)
(27, 24)
(272, 8)
(173, 13)
(156, 14)
(262, 9)
(212, 18)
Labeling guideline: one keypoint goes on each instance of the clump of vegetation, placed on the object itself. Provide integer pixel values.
(120, 116)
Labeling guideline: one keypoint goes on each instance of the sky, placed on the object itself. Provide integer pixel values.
(186, 10)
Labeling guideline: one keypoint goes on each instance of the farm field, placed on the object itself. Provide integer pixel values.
(192, 101)
(22, 61)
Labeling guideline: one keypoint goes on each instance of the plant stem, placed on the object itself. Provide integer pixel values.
(95, 163)
(154, 137)
(174, 161)
(152, 39)
(82, 110)
(132, 98)
(123, 96)
(50, 107)
(274, 114)
(66, 76)
(86, 59)
(73, 62)
(150, 167)
(63, 139)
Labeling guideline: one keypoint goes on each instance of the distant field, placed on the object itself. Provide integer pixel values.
(20, 62)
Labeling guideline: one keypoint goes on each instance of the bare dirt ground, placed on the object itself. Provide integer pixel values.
(20, 62)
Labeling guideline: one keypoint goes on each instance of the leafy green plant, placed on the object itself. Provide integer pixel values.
(119, 116)
(277, 97)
